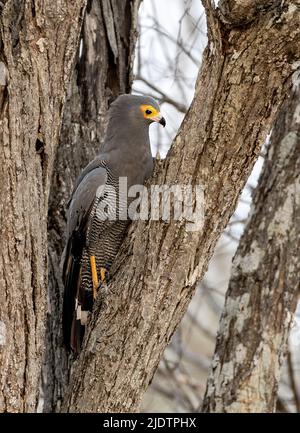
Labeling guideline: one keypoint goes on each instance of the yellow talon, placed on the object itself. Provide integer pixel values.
(103, 272)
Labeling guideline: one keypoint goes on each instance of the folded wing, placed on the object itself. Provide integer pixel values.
(87, 188)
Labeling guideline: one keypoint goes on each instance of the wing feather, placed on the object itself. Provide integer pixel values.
(80, 206)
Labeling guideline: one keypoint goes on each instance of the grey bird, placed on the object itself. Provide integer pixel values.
(95, 229)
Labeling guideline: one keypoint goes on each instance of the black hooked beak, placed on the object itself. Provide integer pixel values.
(163, 121)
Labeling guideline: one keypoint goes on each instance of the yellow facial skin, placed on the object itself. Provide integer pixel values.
(149, 112)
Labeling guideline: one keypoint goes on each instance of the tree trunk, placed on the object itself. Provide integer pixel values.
(37, 43)
(245, 75)
(262, 293)
(103, 70)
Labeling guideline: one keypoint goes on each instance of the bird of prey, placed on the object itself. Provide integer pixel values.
(93, 239)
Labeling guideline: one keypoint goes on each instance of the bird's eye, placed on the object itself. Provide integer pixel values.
(148, 112)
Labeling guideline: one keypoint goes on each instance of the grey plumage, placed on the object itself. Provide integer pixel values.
(126, 153)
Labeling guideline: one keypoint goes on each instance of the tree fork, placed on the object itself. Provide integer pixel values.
(245, 76)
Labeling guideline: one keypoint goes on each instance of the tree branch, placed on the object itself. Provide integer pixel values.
(163, 96)
(242, 12)
(38, 43)
(244, 78)
(262, 293)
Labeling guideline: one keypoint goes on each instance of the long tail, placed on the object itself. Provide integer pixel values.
(70, 294)
(74, 318)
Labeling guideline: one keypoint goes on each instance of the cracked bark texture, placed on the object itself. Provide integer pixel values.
(264, 284)
(38, 41)
(103, 70)
(245, 76)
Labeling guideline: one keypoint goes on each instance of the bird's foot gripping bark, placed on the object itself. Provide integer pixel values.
(104, 274)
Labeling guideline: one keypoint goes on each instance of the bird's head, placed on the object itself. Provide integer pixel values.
(151, 112)
(141, 109)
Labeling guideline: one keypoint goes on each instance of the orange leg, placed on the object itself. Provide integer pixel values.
(94, 276)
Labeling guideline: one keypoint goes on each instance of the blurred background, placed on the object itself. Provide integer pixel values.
(168, 56)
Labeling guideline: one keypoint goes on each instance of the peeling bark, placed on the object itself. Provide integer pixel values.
(37, 46)
(245, 76)
(262, 293)
(241, 12)
(102, 72)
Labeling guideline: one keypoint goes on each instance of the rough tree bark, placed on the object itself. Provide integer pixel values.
(103, 70)
(245, 75)
(38, 41)
(263, 289)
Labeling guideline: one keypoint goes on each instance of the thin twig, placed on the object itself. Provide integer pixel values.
(163, 96)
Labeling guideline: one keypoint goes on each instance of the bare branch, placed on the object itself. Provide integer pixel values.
(262, 293)
(241, 12)
(163, 96)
